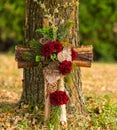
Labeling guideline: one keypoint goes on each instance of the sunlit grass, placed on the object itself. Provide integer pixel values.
(100, 80)
(10, 79)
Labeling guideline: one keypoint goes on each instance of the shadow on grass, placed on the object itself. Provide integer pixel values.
(9, 107)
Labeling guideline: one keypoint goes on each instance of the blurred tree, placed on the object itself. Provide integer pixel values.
(98, 25)
(11, 21)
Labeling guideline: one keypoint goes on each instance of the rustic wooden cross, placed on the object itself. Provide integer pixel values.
(84, 59)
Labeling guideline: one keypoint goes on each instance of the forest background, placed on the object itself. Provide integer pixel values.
(97, 26)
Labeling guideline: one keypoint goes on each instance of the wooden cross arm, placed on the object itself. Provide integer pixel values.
(84, 59)
(20, 51)
(85, 56)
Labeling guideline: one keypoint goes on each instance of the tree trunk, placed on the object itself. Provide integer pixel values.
(32, 77)
(33, 82)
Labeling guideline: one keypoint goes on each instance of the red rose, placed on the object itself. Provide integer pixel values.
(58, 98)
(74, 54)
(47, 49)
(65, 67)
(57, 46)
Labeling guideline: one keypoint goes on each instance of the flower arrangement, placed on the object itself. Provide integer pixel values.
(62, 54)
(54, 51)
(49, 48)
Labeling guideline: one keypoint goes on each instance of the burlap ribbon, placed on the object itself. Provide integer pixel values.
(51, 77)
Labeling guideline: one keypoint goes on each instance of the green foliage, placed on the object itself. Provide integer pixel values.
(98, 26)
(54, 121)
(35, 45)
(22, 125)
(46, 31)
(103, 113)
(59, 32)
(53, 56)
(7, 108)
(28, 56)
(104, 51)
(51, 32)
(63, 30)
(35, 54)
(11, 19)
(37, 59)
(69, 79)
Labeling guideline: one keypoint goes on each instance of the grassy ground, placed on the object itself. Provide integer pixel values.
(10, 79)
(100, 80)
(97, 81)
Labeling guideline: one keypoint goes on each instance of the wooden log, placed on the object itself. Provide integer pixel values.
(81, 63)
(20, 51)
(88, 48)
(85, 56)
(27, 64)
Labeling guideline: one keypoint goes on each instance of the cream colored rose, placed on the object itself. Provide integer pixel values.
(65, 54)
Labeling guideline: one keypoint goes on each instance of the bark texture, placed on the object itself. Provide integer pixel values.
(33, 82)
(32, 77)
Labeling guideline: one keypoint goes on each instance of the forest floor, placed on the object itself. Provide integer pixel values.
(97, 81)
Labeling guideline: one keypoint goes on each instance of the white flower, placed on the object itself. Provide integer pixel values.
(65, 54)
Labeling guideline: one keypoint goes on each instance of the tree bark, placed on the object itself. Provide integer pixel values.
(33, 81)
(32, 77)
